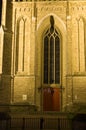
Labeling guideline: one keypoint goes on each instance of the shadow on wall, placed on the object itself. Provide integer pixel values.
(0, 80)
(0, 10)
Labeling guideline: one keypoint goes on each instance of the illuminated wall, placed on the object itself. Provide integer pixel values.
(24, 24)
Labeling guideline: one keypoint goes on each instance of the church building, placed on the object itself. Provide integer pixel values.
(43, 54)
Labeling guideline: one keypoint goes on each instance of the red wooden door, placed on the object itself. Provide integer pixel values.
(51, 99)
(56, 100)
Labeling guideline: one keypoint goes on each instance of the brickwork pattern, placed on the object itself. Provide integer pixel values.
(69, 19)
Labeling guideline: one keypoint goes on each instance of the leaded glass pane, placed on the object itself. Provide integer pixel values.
(57, 60)
(46, 59)
(51, 60)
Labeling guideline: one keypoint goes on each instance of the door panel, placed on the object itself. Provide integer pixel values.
(47, 99)
(56, 100)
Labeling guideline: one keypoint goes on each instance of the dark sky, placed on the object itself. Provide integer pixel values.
(0, 10)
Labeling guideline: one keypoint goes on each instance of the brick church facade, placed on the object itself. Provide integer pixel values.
(43, 54)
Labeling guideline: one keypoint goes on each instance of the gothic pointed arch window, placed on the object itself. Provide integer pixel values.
(51, 43)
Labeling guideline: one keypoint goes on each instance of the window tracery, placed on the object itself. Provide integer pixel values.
(51, 55)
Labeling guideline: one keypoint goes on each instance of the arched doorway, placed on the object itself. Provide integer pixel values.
(51, 68)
